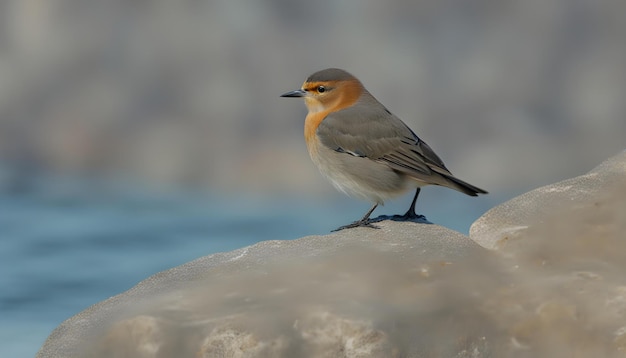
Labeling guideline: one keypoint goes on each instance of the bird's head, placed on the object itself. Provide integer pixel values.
(329, 90)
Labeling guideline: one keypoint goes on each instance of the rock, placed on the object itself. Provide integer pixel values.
(355, 293)
(584, 196)
(566, 247)
(548, 281)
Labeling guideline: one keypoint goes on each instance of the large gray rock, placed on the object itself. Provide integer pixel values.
(566, 244)
(584, 197)
(356, 293)
(552, 285)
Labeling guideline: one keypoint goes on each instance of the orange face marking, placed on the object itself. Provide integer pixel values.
(336, 96)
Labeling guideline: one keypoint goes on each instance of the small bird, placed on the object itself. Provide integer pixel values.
(365, 150)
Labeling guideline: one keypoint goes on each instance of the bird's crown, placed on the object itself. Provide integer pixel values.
(330, 74)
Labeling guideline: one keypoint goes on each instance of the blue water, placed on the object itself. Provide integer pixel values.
(66, 244)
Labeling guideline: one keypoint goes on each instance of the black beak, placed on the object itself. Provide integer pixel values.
(296, 93)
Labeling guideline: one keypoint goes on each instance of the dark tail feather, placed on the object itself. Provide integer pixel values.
(464, 187)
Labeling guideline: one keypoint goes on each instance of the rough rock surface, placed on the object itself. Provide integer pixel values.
(584, 195)
(553, 287)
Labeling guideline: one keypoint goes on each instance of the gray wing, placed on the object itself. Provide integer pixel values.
(381, 137)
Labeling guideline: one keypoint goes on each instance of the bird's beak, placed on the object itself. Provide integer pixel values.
(296, 93)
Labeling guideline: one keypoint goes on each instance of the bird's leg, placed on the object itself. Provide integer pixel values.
(410, 214)
(365, 221)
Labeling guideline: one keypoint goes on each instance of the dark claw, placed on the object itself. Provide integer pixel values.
(359, 223)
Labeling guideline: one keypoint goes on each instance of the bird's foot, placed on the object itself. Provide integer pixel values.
(408, 216)
(358, 223)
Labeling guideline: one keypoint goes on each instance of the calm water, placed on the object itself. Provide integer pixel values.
(68, 244)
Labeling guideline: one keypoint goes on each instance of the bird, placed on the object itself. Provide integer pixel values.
(365, 150)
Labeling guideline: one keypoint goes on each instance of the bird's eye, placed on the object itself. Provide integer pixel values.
(321, 89)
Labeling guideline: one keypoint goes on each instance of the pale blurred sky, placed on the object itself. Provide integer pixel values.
(511, 94)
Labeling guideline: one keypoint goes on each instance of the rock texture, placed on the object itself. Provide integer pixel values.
(549, 282)
(581, 198)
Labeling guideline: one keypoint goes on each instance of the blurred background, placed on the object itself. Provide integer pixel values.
(139, 135)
